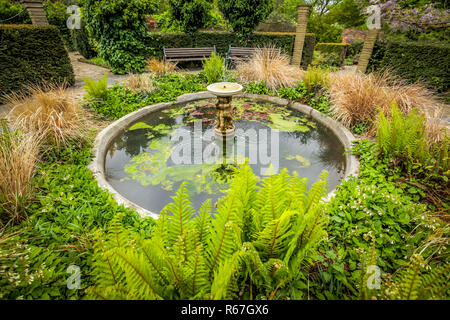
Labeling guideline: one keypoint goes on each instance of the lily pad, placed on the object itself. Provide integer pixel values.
(289, 124)
(305, 162)
(139, 125)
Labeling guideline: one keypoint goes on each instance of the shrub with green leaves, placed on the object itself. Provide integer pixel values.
(118, 27)
(257, 87)
(70, 207)
(245, 15)
(253, 248)
(213, 68)
(9, 10)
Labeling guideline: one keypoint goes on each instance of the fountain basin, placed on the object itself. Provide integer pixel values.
(224, 89)
(106, 138)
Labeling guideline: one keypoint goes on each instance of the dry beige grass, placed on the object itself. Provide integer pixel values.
(436, 129)
(19, 155)
(357, 97)
(141, 83)
(48, 111)
(270, 66)
(159, 67)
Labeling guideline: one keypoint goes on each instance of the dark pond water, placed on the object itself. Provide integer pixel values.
(148, 162)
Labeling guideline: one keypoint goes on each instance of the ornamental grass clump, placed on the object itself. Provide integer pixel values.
(47, 111)
(356, 98)
(159, 67)
(270, 66)
(19, 155)
(140, 83)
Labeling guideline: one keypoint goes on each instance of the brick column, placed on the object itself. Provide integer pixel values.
(367, 50)
(36, 11)
(302, 22)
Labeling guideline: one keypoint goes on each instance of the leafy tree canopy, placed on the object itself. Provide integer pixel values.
(245, 15)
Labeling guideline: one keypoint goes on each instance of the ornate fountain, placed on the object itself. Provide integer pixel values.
(224, 91)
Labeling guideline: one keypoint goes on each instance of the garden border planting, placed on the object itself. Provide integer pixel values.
(106, 136)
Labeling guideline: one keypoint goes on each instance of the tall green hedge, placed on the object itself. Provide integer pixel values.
(30, 55)
(414, 61)
(80, 39)
(223, 39)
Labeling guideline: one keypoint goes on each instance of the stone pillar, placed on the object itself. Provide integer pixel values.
(300, 33)
(36, 11)
(367, 50)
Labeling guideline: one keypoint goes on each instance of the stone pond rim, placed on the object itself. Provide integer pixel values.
(106, 136)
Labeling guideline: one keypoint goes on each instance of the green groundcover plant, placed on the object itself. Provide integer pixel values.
(119, 101)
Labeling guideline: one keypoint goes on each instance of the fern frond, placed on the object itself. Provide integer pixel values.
(436, 283)
(271, 201)
(138, 278)
(179, 215)
(202, 223)
(244, 186)
(225, 275)
(225, 236)
(271, 242)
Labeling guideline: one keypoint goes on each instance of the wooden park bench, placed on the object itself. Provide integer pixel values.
(187, 54)
(235, 54)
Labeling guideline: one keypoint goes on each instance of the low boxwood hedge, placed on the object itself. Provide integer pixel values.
(414, 61)
(222, 40)
(30, 55)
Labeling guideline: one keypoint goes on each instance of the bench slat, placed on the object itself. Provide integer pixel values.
(187, 54)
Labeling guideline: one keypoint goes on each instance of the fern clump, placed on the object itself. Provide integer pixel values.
(252, 247)
(213, 68)
(401, 137)
(416, 283)
(96, 90)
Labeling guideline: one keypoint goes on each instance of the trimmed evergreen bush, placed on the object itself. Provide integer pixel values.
(30, 55)
(414, 61)
(223, 39)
